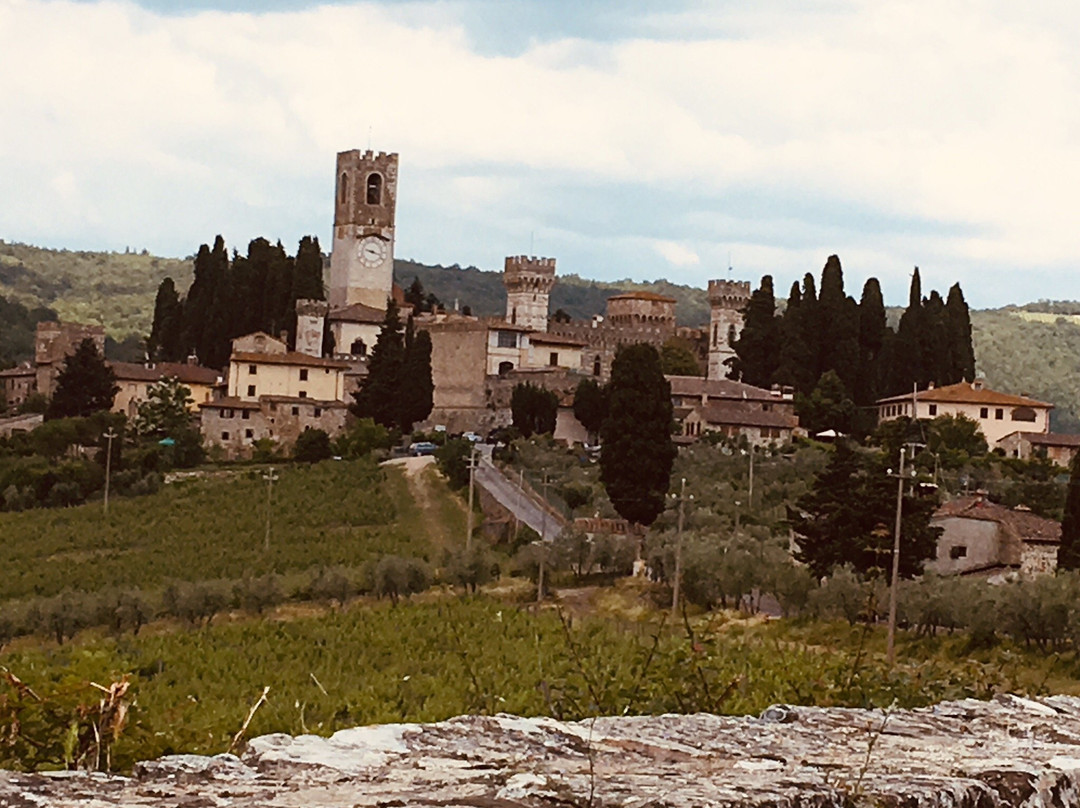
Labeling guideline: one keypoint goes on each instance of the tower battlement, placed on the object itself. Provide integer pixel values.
(729, 294)
(528, 281)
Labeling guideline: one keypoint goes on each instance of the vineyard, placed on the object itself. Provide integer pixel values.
(343, 513)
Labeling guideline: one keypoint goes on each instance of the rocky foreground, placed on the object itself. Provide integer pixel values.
(963, 754)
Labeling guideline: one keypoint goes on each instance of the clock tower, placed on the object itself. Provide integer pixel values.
(362, 260)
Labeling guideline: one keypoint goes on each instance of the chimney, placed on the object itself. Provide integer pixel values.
(930, 386)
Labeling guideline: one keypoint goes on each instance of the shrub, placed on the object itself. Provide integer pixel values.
(312, 446)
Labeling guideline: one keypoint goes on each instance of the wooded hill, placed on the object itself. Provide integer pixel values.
(1034, 348)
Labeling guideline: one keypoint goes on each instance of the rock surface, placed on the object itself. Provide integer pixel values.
(963, 754)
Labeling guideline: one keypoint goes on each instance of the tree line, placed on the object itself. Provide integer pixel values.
(229, 298)
(840, 356)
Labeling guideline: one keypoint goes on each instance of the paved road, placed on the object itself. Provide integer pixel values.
(519, 503)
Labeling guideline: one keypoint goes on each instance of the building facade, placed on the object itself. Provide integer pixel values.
(135, 380)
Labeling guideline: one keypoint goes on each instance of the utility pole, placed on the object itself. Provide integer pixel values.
(472, 486)
(543, 509)
(540, 576)
(678, 549)
(521, 493)
(109, 436)
(900, 477)
(270, 478)
(750, 494)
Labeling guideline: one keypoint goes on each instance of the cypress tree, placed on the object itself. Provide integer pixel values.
(308, 272)
(958, 320)
(216, 331)
(197, 303)
(936, 350)
(757, 350)
(166, 338)
(378, 397)
(1069, 550)
(85, 385)
(637, 452)
(872, 333)
(800, 332)
(838, 315)
(906, 355)
(417, 390)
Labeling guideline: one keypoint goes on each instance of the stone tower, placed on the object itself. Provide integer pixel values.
(362, 260)
(310, 325)
(528, 282)
(727, 301)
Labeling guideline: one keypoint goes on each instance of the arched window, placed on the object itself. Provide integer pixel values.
(358, 348)
(344, 185)
(374, 189)
(731, 336)
(596, 366)
(505, 367)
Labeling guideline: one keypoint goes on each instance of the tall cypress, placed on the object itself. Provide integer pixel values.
(906, 357)
(935, 348)
(166, 338)
(214, 345)
(308, 271)
(1069, 550)
(196, 303)
(417, 391)
(872, 334)
(958, 323)
(839, 333)
(757, 350)
(378, 397)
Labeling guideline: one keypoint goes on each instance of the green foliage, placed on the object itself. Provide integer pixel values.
(164, 413)
(453, 459)
(361, 438)
(397, 391)
(396, 577)
(534, 409)
(85, 385)
(590, 405)
(637, 453)
(757, 348)
(470, 569)
(326, 514)
(847, 518)
(677, 359)
(827, 407)
(166, 333)
(416, 391)
(312, 445)
(17, 328)
(1069, 550)
(957, 435)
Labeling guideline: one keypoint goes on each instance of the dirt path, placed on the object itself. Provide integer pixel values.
(422, 476)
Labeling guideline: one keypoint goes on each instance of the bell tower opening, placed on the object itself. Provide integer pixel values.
(374, 189)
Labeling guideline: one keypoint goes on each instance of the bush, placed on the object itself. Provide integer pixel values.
(470, 569)
(396, 577)
(312, 446)
(453, 460)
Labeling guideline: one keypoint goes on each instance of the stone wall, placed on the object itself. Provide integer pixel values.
(1006, 753)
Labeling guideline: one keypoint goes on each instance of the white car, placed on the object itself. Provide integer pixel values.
(471, 436)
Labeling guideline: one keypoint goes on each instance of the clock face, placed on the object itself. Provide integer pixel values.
(372, 251)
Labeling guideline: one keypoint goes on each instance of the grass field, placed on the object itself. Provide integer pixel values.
(334, 513)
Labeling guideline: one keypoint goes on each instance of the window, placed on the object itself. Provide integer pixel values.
(224, 435)
(295, 410)
(731, 335)
(715, 335)
(273, 407)
(303, 374)
(999, 413)
(302, 394)
(253, 369)
(251, 389)
(246, 415)
(317, 412)
(507, 339)
(959, 551)
(344, 185)
(249, 433)
(596, 366)
(553, 358)
(358, 348)
(1023, 414)
(374, 189)
(505, 367)
(984, 412)
(933, 409)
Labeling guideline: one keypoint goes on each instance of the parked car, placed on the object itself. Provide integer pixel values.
(471, 436)
(422, 448)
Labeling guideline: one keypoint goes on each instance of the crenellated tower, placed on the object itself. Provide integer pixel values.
(727, 302)
(528, 282)
(362, 260)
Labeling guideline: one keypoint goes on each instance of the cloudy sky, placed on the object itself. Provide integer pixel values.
(629, 139)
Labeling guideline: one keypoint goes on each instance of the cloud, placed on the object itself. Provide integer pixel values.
(890, 133)
(677, 254)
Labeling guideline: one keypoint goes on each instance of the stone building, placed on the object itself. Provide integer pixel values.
(727, 302)
(763, 417)
(18, 383)
(273, 393)
(54, 342)
(135, 381)
(528, 283)
(1059, 448)
(980, 537)
(997, 414)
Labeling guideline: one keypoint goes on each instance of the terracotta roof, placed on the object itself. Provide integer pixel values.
(968, 393)
(1024, 524)
(543, 338)
(643, 296)
(290, 358)
(358, 313)
(720, 388)
(187, 374)
(733, 413)
(1048, 439)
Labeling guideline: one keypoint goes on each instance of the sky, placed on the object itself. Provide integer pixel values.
(683, 140)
